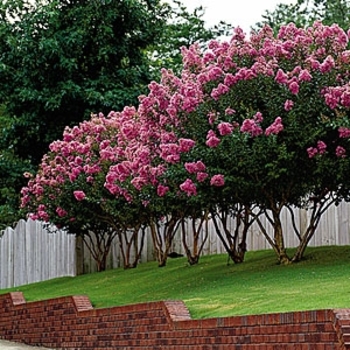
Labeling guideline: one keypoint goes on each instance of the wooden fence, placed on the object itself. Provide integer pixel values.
(30, 254)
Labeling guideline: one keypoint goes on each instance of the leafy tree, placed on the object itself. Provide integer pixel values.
(69, 188)
(62, 60)
(305, 12)
(182, 30)
(251, 126)
(262, 109)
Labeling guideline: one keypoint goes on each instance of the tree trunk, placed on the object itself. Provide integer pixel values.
(163, 232)
(99, 244)
(279, 243)
(234, 241)
(129, 246)
(197, 233)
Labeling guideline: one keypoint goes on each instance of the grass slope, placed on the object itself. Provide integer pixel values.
(215, 289)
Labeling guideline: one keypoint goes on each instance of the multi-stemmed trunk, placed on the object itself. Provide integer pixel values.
(197, 230)
(131, 240)
(99, 244)
(234, 240)
(277, 240)
(163, 232)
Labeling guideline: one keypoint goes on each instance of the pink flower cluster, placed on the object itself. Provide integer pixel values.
(340, 152)
(250, 127)
(344, 132)
(189, 187)
(212, 140)
(217, 180)
(338, 96)
(319, 149)
(275, 128)
(197, 168)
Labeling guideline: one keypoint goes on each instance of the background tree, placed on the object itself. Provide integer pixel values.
(183, 29)
(305, 12)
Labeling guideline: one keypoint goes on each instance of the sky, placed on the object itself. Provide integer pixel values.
(243, 13)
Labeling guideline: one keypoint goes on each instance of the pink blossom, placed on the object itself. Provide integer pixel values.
(249, 126)
(112, 188)
(340, 152)
(281, 77)
(314, 63)
(321, 146)
(312, 151)
(212, 140)
(139, 182)
(43, 215)
(327, 64)
(275, 128)
(61, 212)
(304, 75)
(162, 190)
(258, 117)
(195, 167)
(200, 166)
(344, 132)
(191, 167)
(208, 56)
(220, 90)
(288, 105)
(225, 128)
(186, 144)
(230, 79)
(173, 158)
(331, 100)
(345, 98)
(217, 180)
(294, 87)
(189, 187)
(245, 74)
(201, 176)
(79, 195)
(229, 111)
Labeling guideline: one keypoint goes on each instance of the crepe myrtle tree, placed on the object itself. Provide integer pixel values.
(265, 115)
(150, 171)
(69, 190)
(273, 113)
(179, 102)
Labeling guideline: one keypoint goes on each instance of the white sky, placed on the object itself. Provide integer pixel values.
(243, 13)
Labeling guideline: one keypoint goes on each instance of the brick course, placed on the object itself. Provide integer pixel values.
(72, 323)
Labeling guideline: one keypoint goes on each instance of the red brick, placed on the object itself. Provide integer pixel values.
(72, 323)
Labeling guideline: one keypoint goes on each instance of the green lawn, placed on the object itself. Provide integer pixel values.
(213, 288)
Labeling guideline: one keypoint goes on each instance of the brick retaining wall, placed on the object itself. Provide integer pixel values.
(72, 323)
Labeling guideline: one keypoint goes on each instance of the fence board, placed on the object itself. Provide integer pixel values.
(28, 253)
